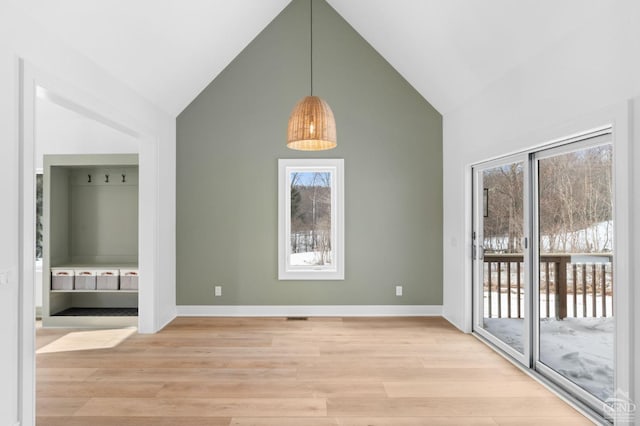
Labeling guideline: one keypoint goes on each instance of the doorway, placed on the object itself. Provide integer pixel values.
(543, 288)
(31, 81)
(72, 143)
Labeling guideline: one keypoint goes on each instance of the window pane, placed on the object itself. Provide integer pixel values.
(310, 219)
(576, 278)
(503, 266)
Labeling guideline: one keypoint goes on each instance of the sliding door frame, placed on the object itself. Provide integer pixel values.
(523, 358)
(585, 141)
(618, 121)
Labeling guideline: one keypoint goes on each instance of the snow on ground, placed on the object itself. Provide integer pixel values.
(304, 259)
(580, 349)
(509, 330)
(596, 238)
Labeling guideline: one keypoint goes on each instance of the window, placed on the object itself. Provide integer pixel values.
(311, 219)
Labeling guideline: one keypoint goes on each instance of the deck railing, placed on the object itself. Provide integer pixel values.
(582, 281)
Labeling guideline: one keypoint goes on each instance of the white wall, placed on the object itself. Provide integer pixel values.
(587, 77)
(62, 131)
(22, 38)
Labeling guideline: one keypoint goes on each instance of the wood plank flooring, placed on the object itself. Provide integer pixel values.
(270, 371)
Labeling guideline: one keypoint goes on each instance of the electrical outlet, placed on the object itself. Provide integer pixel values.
(218, 290)
(398, 290)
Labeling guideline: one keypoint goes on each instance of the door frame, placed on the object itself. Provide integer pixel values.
(585, 141)
(523, 358)
(620, 118)
(30, 79)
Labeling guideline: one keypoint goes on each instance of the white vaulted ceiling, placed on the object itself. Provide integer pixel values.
(166, 50)
(449, 50)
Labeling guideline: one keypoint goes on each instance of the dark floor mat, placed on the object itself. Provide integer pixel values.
(98, 312)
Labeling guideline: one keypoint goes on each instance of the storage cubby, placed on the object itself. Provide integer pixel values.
(91, 232)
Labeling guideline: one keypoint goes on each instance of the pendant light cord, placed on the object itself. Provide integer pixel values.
(311, 41)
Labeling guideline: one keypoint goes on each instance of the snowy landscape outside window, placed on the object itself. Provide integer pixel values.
(311, 218)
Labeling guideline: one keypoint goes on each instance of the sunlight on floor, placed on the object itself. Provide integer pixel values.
(87, 340)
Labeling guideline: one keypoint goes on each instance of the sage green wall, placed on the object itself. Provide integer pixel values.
(91, 223)
(230, 138)
(104, 216)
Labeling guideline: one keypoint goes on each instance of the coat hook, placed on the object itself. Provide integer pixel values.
(89, 181)
(124, 178)
(106, 178)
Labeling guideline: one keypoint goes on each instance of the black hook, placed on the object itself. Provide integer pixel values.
(89, 181)
(106, 178)
(124, 178)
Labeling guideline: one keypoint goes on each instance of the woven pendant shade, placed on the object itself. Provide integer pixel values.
(311, 126)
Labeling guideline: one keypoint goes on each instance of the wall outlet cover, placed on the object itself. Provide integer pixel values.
(218, 290)
(398, 290)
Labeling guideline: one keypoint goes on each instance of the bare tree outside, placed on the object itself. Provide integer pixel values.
(503, 223)
(576, 329)
(310, 218)
(576, 209)
(575, 278)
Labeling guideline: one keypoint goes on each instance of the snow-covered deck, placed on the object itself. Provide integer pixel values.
(581, 349)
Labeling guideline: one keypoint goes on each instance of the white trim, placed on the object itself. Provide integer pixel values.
(310, 311)
(448, 318)
(467, 315)
(543, 140)
(334, 166)
(167, 321)
(29, 79)
(576, 144)
(26, 242)
(624, 264)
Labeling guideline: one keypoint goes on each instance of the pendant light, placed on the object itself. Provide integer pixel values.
(311, 124)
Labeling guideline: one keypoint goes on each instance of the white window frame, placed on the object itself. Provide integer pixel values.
(294, 272)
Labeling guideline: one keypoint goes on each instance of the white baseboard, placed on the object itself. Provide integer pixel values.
(453, 323)
(310, 311)
(167, 320)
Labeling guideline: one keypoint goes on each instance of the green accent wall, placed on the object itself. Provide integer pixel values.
(229, 140)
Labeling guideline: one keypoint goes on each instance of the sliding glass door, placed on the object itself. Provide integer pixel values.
(574, 221)
(500, 247)
(543, 262)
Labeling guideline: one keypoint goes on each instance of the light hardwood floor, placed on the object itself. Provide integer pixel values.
(270, 371)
